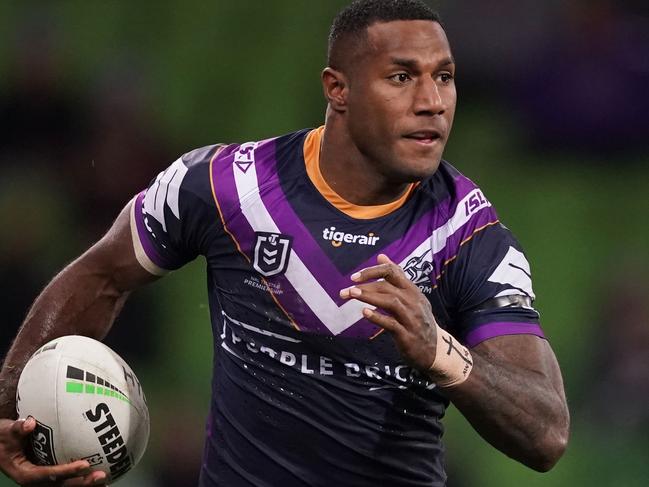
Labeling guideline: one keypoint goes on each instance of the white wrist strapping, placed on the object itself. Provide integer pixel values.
(453, 362)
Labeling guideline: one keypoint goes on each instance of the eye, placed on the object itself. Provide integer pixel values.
(400, 78)
(446, 78)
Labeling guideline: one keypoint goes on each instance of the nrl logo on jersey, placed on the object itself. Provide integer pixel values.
(272, 252)
(419, 270)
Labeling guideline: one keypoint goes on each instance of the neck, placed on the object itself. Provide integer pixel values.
(351, 174)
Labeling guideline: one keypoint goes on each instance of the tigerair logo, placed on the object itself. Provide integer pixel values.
(338, 238)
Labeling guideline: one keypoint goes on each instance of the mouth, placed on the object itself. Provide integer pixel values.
(426, 137)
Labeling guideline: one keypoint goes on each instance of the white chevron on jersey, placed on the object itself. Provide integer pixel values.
(165, 191)
(514, 271)
(336, 318)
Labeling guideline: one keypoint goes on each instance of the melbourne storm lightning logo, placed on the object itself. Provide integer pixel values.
(419, 270)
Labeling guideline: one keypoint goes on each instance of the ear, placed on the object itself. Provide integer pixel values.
(336, 88)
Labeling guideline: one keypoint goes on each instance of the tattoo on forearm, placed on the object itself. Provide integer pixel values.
(451, 346)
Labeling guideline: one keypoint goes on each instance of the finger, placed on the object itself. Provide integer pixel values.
(396, 274)
(386, 269)
(386, 322)
(383, 287)
(377, 296)
(94, 478)
(32, 473)
(369, 273)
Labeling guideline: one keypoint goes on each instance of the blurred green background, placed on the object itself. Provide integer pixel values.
(97, 97)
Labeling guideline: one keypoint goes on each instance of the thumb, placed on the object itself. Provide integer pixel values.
(384, 259)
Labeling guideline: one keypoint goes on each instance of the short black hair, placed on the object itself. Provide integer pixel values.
(354, 19)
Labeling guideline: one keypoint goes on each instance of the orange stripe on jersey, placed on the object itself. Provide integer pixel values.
(225, 227)
(377, 333)
(218, 206)
(312, 145)
(448, 261)
(490, 224)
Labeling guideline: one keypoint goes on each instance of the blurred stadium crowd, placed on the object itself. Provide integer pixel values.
(97, 97)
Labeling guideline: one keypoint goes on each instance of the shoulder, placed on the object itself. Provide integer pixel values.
(236, 169)
(460, 203)
(464, 220)
(242, 153)
(197, 170)
(186, 176)
(449, 186)
(201, 156)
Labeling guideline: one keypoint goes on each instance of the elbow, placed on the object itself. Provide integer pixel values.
(548, 455)
(549, 449)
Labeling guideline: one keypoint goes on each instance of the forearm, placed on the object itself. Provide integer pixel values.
(81, 300)
(520, 411)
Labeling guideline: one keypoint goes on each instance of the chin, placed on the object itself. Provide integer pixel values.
(421, 175)
(413, 176)
(415, 171)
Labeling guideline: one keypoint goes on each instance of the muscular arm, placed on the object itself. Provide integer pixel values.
(83, 299)
(514, 398)
(514, 394)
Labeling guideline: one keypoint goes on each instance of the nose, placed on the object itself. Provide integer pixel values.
(428, 98)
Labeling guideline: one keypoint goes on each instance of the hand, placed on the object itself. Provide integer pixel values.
(14, 463)
(408, 314)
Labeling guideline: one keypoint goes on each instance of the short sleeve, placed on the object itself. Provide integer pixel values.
(489, 284)
(173, 220)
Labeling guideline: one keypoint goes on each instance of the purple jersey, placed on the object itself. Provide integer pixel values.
(305, 391)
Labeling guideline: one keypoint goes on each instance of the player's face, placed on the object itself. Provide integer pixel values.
(402, 98)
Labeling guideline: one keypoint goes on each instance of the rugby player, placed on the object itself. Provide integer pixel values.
(357, 282)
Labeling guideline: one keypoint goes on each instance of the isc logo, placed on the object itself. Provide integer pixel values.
(475, 201)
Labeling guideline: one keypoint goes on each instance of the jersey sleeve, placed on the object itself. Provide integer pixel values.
(173, 220)
(489, 283)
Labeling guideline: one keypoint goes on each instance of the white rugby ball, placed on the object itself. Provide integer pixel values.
(88, 405)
